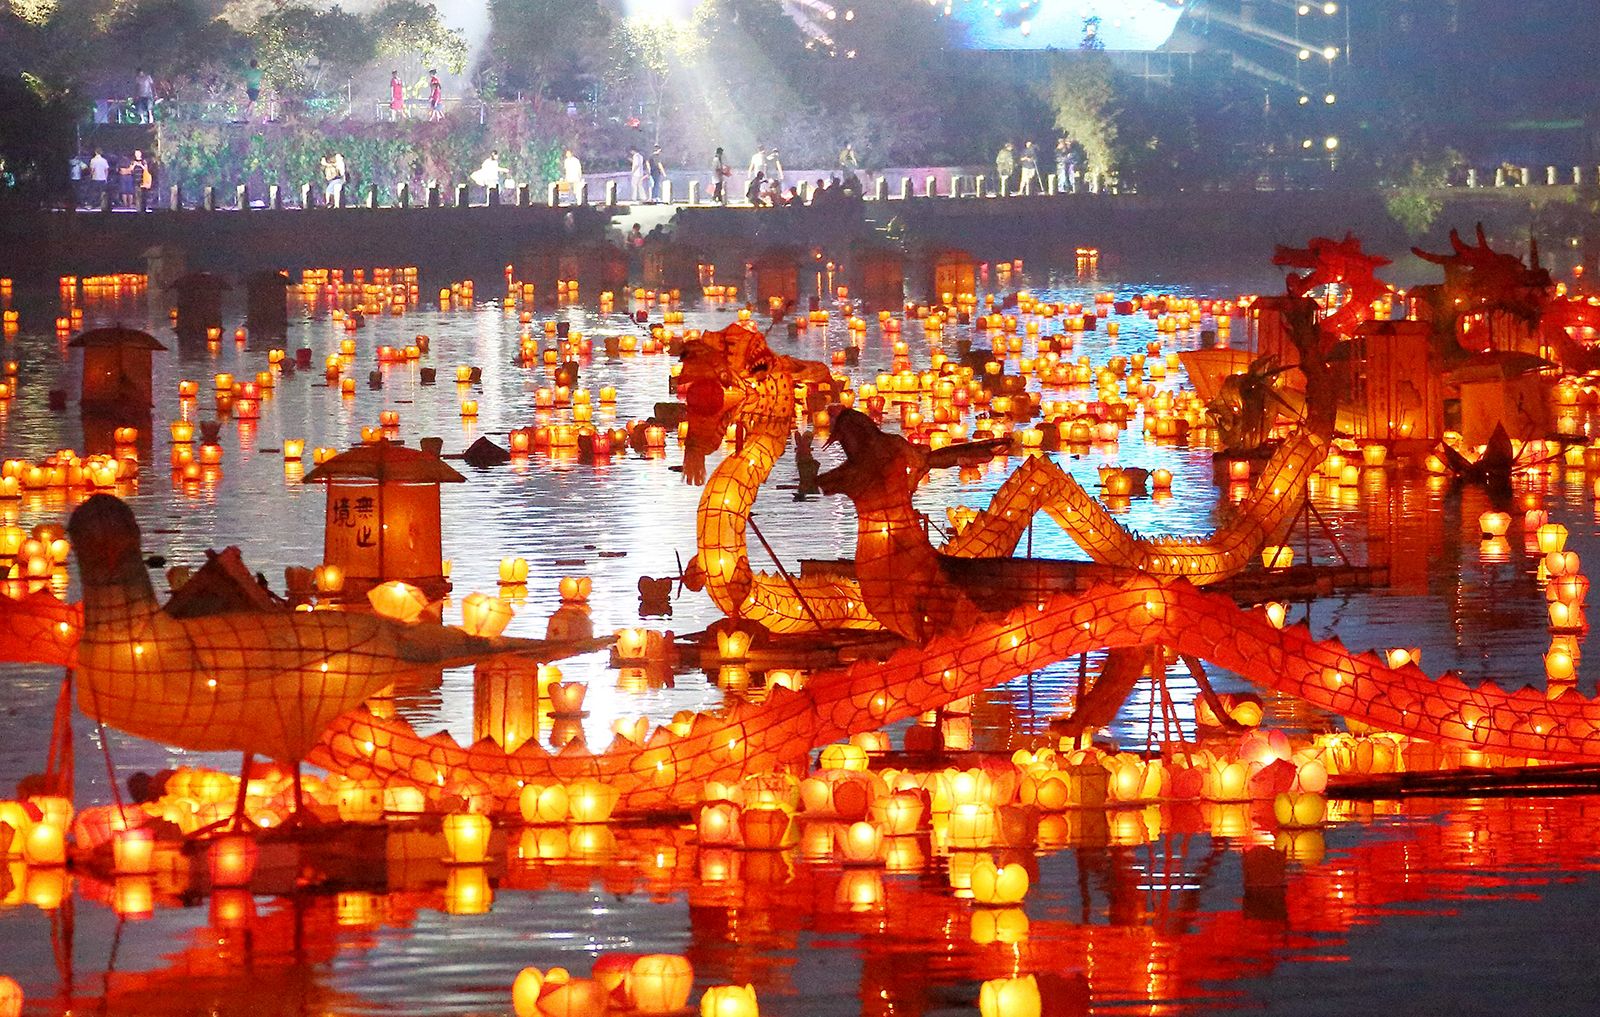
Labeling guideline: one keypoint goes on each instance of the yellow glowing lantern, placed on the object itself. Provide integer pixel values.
(1551, 537)
(466, 838)
(1277, 613)
(10, 997)
(733, 644)
(1277, 556)
(485, 616)
(566, 698)
(729, 1001)
(660, 983)
(1299, 809)
(543, 805)
(999, 885)
(400, 601)
(513, 571)
(525, 990)
(843, 756)
(576, 589)
(1010, 997)
(294, 449)
(1494, 524)
(591, 801)
(861, 843)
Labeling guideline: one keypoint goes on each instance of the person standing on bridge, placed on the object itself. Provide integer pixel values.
(332, 179)
(99, 177)
(572, 175)
(849, 165)
(658, 175)
(435, 97)
(1005, 164)
(637, 177)
(758, 164)
(1030, 169)
(720, 172)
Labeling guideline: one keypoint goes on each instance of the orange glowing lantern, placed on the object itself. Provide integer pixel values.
(729, 1001)
(1010, 997)
(232, 861)
(132, 852)
(660, 983)
(543, 805)
(382, 521)
(116, 370)
(1494, 524)
(591, 801)
(400, 601)
(466, 838)
(576, 589)
(998, 885)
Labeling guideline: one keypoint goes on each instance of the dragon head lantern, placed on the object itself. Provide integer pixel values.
(733, 376)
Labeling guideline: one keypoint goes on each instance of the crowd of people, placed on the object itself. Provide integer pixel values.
(96, 177)
(1020, 173)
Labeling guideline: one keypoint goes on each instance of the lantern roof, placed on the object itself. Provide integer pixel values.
(115, 335)
(386, 462)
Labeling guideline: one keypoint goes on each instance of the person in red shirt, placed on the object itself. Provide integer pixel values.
(397, 96)
(435, 96)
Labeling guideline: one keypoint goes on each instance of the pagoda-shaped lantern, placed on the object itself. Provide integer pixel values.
(951, 271)
(382, 519)
(116, 371)
(1400, 384)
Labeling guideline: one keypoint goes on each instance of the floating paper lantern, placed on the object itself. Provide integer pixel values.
(513, 571)
(591, 801)
(485, 616)
(1002, 885)
(729, 1001)
(844, 756)
(232, 861)
(1551, 537)
(400, 601)
(766, 828)
(132, 852)
(543, 805)
(1010, 997)
(576, 589)
(1299, 809)
(1494, 524)
(44, 845)
(466, 838)
(525, 991)
(1277, 556)
(717, 824)
(660, 983)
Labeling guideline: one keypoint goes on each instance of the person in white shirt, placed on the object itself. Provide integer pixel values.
(636, 175)
(332, 179)
(99, 175)
(488, 175)
(572, 173)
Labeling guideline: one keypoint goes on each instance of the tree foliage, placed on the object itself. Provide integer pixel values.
(537, 45)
